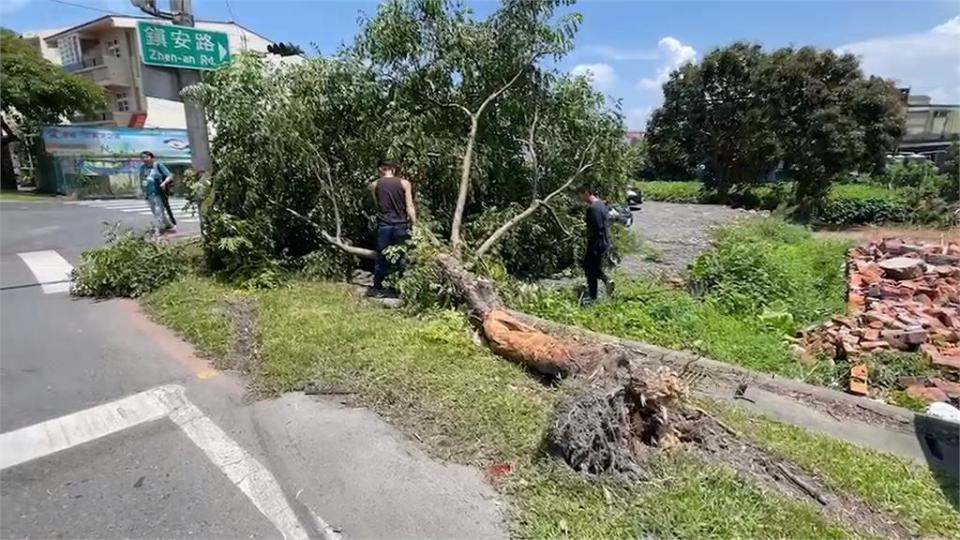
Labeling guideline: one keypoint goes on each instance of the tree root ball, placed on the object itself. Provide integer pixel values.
(613, 428)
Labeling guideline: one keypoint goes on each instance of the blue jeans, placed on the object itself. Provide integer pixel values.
(387, 235)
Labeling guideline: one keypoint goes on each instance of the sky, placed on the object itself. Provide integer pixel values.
(626, 47)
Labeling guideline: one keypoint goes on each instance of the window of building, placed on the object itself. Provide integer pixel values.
(123, 104)
(113, 48)
(939, 121)
(69, 48)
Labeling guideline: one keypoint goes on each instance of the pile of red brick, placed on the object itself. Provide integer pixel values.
(903, 296)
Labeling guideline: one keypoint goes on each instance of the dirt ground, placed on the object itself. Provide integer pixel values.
(674, 235)
(873, 233)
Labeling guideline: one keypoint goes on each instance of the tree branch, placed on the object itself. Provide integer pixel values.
(456, 241)
(566, 232)
(534, 205)
(505, 87)
(337, 242)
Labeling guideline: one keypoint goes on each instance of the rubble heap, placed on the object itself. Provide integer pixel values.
(903, 296)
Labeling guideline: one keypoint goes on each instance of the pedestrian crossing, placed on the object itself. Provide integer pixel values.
(141, 207)
(50, 269)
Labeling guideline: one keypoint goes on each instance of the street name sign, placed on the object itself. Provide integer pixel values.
(165, 45)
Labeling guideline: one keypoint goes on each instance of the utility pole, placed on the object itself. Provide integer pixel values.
(181, 14)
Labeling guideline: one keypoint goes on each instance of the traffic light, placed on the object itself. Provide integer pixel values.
(284, 49)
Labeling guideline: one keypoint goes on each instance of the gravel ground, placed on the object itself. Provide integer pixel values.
(675, 235)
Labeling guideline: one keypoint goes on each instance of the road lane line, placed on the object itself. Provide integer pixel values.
(169, 401)
(248, 474)
(51, 270)
(39, 440)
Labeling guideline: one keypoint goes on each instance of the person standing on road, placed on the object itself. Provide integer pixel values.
(598, 242)
(394, 197)
(155, 178)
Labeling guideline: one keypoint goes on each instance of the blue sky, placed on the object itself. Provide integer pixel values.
(627, 46)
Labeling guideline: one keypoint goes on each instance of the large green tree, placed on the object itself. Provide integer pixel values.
(714, 117)
(741, 111)
(491, 138)
(36, 92)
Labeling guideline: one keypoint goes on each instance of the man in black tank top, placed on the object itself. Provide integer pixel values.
(397, 214)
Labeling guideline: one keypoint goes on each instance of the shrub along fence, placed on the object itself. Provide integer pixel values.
(847, 204)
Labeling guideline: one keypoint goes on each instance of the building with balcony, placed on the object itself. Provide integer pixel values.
(930, 128)
(106, 51)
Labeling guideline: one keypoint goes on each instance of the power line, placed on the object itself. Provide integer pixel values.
(230, 10)
(81, 6)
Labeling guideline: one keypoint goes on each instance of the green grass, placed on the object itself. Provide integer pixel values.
(195, 308)
(431, 379)
(16, 196)
(847, 204)
(757, 270)
(428, 377)
(686, 498)
(650, 312)
(882, 481)
(675, 192)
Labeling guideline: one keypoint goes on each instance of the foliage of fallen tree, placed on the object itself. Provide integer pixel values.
(491, 138)
(129, 265)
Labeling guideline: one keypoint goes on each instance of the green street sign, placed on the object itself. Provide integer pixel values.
(182, 47)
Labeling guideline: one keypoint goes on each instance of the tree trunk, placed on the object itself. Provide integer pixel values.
(456, 242)
(8, 176)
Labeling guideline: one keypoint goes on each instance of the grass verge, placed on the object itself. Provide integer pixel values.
(880, 480)
(763, 279)
(427, 376)
(16, 196)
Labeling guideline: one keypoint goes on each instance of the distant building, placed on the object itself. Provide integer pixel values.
(930, 127)
(106, 51)
(633, 137)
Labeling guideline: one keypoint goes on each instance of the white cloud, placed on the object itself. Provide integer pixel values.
(928, 62)
(674, 54)
(637, 117)
(616, 53)
(601, 76)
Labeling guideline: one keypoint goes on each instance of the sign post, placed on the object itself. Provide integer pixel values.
(182, 47)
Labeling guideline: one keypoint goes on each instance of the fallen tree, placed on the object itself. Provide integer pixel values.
(483, 131)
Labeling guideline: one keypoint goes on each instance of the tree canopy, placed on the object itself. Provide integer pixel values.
(489, 136)
(36, 89)
(741, 111)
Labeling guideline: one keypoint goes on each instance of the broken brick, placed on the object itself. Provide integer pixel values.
(929, 393)
(950, 388)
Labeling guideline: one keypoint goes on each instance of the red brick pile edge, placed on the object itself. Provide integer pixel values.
(903, 296)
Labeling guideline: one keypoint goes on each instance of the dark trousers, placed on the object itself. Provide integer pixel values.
(387, 235)
(166, 205)
(593, 268)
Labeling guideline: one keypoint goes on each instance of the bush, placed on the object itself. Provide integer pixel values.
(676, 192)
(774, 266)
(847, 204)
(130, 265)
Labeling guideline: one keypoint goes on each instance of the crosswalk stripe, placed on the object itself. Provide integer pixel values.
(51, 270)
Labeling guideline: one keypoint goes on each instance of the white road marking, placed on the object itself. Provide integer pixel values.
(45, 438)
(248, 474)
(51, 270)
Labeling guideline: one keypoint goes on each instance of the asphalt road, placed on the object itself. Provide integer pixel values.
(110, 427)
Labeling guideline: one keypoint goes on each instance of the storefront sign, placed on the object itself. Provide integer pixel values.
(91, 142)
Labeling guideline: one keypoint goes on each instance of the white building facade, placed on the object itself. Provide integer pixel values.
(106, 51)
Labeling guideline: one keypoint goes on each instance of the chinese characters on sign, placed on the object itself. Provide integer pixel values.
(182, 47)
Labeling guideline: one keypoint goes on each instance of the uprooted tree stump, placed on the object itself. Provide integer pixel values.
(622, 414)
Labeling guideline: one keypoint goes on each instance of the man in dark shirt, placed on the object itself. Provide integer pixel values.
(598, 241)
(394, 197)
